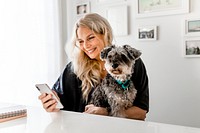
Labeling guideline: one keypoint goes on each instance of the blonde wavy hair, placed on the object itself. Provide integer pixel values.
(89, 70)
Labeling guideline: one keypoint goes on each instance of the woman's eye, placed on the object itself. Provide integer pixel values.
(90, 38)
(80, 42)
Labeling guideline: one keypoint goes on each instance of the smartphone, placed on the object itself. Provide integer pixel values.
(44, 88)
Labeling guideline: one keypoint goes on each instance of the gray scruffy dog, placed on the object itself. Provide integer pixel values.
(117, 92)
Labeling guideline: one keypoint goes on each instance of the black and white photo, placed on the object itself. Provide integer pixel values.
(82, 8)
(147, 33)
(192, 48)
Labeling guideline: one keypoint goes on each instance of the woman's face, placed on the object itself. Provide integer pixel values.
(90, 42)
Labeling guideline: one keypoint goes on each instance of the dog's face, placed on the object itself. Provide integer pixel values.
(119, 60)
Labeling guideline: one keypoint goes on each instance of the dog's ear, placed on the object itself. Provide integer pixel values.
(132, 52)
(105, 51)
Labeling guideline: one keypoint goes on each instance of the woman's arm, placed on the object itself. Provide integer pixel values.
(131, 113)
(135, 113)
(141, 103)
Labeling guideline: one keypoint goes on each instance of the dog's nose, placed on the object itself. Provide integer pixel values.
(114, 65)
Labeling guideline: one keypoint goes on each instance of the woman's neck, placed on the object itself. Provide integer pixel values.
(103, 70)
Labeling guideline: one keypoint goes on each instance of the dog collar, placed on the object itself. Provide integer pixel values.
(124, 85)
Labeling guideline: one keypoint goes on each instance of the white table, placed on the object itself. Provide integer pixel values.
(39, 121)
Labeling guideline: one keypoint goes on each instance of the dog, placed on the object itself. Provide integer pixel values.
(117, 92)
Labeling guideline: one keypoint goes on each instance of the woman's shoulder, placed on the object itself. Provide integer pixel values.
(139, 68)
(68, 67)
(139, 63)
(68, 71)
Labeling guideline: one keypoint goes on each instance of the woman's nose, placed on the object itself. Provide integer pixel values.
(86, 44)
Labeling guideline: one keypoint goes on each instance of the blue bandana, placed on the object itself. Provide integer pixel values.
(124, 85)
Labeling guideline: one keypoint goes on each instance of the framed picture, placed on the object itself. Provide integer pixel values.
(147, 33)
(149, 8)
(191, 47)
(192, 27)
(82, 8)
(109, 1)
(118, 18)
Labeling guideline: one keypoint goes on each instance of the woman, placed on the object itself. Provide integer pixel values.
(85, 71)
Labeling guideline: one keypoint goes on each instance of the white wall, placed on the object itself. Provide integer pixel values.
(30, 48)
(174, 80)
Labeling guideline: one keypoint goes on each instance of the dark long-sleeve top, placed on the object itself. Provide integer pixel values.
(68, 88)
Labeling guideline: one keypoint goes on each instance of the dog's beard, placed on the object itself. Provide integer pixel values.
(121, 73)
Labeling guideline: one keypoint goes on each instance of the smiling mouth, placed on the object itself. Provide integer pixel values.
(90, 51)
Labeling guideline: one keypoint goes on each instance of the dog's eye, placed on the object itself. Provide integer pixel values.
(109, 56)
(124, 58)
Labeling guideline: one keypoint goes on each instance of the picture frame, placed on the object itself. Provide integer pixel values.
(82, 8)
(192, 27)
(147, 33)
(118, 17)
(109, 1)
(191, 47)
(151, 8)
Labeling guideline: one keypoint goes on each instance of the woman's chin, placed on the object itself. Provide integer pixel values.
(94, 56)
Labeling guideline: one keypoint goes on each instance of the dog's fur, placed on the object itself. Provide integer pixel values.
(119, 63)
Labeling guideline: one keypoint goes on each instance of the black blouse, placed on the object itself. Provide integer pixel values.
(68, 88)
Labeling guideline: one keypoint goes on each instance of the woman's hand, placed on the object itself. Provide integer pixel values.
(91, 109)
(49, 104)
